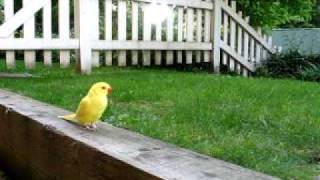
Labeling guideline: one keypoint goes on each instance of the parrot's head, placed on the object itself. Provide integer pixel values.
(101, 88)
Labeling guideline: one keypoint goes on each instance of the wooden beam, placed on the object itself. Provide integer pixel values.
(149, 45)
(39, 44)
(183, 3)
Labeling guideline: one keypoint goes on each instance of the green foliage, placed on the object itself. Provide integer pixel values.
(291, 65)
(278, 13)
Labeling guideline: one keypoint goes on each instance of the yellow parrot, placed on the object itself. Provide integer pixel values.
(91, 106)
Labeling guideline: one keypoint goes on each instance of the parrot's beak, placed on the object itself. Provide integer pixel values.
(110, 90)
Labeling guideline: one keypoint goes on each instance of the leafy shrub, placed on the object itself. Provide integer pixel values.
(291, 65)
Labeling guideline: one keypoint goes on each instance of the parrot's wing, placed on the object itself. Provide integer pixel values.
(84, 107)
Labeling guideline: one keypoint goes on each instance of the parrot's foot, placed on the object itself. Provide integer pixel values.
(92, 127)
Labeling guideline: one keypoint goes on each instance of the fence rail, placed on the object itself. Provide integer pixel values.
(165, 32)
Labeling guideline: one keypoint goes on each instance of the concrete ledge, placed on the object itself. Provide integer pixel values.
(34, 144)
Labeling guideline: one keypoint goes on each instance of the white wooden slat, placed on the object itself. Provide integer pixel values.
(224, 58)
(158, 55)
(184, 3)
(232, 64)
(85, 37)
(207, 29)
(258, 49)
(270, 44)
(76, 18)
(64, 30)
(233, 28)
(22, 16)
(29, 33)
(238, 68)
(245, 72)
(108, 29)
(146, 35)
(246, 43)
(247, 27)
(170, 26)
(252, 50)
(199, 33)
(95, 30)
(190, 32)
(180, 32)
(122, 30)
(149, 45)
(216, 31)
(264, 52)
(47, 32)
(240, 40)
(135, 15)
(8, 13)
(225, 28)
(232, 38)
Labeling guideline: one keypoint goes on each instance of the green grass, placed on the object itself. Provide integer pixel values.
(272, 126)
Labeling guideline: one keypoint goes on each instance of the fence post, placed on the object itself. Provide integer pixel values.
(83, 28)
(216, 34)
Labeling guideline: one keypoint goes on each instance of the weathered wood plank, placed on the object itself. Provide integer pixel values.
(108, 29)
(8, 13)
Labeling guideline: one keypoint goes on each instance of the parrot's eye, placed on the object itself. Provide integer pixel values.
(104, 88)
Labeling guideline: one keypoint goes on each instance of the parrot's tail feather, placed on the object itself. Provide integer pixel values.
(71, 117)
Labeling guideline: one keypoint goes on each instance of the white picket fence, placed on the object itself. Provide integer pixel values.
(173, 32)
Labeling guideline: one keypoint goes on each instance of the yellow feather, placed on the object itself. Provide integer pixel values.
(92, 106)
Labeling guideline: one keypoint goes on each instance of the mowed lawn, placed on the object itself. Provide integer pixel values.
(272, 126)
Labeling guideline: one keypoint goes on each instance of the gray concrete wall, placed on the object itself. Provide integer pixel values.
(306, 41)
(35, 144)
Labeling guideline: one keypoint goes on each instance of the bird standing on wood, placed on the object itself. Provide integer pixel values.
(91, 106)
